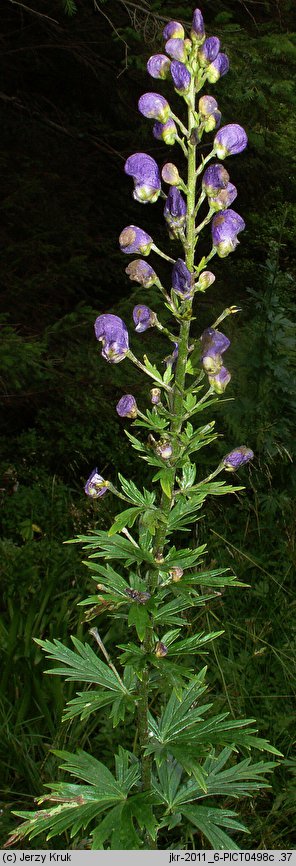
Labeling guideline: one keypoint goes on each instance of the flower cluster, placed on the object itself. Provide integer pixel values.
(188, 62)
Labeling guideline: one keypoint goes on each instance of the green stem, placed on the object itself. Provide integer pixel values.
(175, 428)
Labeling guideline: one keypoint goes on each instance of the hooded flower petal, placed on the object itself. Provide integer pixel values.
(182, 280)
(220, 380)
(176, 48)
(198, 28)
(143, 317)
(95, 485)
(112, 333)
(205, 280)
(154, 105)
(213, 344)
(207, 105)
(224, 198)
(237, 458)
(225, 227)
(155, 394)
(209, 50)
(214, 179)
(166, 132)
(171, 360)
(127, 407)
(145, 173)
(218, 68)
(134, 240)
(175, 210)
(181, 76)
(142, 273)
(158, 66)
(230, 139)
(173, 30)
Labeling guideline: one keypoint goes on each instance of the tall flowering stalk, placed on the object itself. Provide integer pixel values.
(182, 751)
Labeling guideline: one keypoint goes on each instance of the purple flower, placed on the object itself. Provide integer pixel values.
(143, 317)
(198, 28)
(145, 173)
(213, 344)
(112, 333)
(175, 211)
(142, 273)
(154, 105)
(158, 66)
(95, 485)
(165, 131)
(173, 30)
(127, 407)
(220, 380)
(207, 105)
(155, 394)
(214, 179)
(209, 50)
(181, 76)
(176, 48)
(170, 174)
(182, 280)
(224, 198)
(225, 227)
(134, 240)
(237, 458)
(210, 114)
(230, 139)
(218, 68)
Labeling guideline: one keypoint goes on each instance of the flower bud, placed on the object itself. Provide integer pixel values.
(218, 68)
(205, 280)
(213, 121)
(155, 396)
(176, 574)
(142, 273)
(95, 485)
(166, 132)
(181, 76)
(170, 174)
(134, 240)
(182, 280)
(229, 140)
(173, 30)
(225, 227)
(214, 179)
(209, 51)
(176, 49)
(220, 380)
(145, 173)
(127, 407)
(197, 32)
(224, 198)
(175, 211)
(237, 458)
(207, 105)
(160, 650)
(143, 317)
(164, 450)
(155, 106)
(158, 66)
(171, 360)
(112, 333)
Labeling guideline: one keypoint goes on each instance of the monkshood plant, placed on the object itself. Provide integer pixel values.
(166, 790)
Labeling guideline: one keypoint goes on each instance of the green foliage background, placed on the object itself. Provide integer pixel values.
(72, 75)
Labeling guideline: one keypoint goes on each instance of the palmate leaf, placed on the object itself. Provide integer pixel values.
(86, 703)
(147, 498)
(184, 558)
(83, 665)
(117, 547)
(119, 827)
(191, 644)
(239, 780)
(209, 822)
